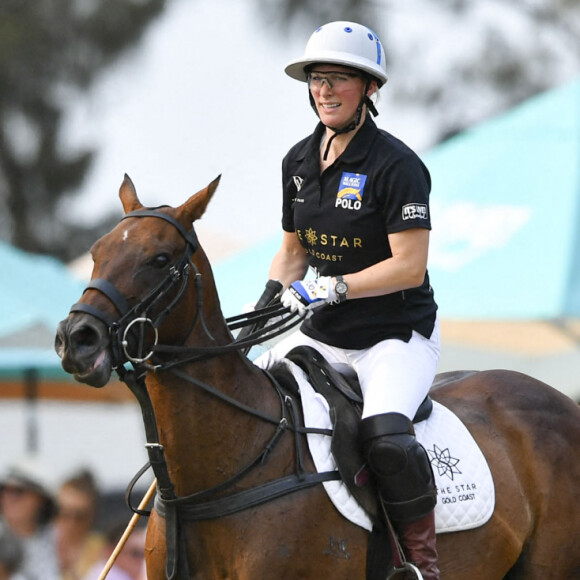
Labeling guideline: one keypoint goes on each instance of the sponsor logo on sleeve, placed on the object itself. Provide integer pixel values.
(415, 211)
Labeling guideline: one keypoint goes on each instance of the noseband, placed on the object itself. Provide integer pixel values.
(134, 320)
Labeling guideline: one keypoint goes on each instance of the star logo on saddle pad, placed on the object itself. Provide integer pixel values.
(445, 464)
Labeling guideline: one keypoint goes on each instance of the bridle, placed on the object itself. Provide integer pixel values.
(134, 320)
(149, 313)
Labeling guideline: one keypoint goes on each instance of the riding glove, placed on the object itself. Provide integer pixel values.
(304, 295)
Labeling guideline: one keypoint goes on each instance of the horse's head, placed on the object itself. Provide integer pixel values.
(145, 273)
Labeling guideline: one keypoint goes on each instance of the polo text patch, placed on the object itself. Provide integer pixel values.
(350, 190)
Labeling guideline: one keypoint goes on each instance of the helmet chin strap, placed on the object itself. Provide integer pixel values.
(354, 123)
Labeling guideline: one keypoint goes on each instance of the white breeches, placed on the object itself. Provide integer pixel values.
(395, 376)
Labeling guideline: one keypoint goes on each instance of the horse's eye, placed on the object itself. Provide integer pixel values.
(160, 261)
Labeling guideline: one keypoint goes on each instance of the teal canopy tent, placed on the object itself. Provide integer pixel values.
(35, 293)
(506, 213)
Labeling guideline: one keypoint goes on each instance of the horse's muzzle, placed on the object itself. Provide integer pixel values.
(82, 342)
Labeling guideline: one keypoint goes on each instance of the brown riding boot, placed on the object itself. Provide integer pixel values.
(419, 545)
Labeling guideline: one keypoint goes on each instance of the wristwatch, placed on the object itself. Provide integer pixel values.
(341, 288)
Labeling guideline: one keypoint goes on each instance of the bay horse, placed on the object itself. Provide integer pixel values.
(212, 422)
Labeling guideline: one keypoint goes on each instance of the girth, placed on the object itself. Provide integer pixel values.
(190, 511)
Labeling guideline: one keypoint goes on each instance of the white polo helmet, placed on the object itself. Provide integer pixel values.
(343, 43)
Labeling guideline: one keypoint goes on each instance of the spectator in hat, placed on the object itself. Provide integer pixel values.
(79, 545)
(27, 508)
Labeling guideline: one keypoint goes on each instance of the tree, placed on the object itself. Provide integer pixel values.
(316, 11)
(48, 50)
(477, 58)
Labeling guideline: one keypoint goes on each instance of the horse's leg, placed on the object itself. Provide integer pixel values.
(155, 548)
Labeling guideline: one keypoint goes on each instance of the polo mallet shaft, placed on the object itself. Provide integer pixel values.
(130, 527)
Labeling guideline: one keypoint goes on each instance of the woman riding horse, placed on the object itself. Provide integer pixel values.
(356, 210)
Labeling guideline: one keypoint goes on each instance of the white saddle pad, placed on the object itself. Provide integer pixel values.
(466, 495)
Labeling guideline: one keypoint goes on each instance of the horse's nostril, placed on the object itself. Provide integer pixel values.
(85, 337)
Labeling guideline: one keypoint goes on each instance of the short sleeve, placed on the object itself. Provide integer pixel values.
(404, 190)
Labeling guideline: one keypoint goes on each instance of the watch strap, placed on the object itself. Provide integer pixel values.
(341, 288)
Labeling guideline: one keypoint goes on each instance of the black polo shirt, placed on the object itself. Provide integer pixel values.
(343, 217)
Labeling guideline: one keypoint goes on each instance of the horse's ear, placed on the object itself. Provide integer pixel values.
(196, 205)
(128, 195)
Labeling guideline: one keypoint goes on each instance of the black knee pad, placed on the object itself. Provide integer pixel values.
(400, 464)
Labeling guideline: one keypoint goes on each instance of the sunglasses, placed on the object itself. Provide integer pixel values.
(334, 79)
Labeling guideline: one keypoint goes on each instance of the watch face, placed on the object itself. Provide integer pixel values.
(341, 288)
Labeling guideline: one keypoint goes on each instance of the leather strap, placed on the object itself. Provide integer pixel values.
(243, 500)
(188, 236)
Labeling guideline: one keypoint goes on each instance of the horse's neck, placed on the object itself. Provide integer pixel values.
(206, 439)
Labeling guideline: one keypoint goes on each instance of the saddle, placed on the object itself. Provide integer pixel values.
(341, 389)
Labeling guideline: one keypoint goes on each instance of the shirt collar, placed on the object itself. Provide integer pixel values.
(356, 150)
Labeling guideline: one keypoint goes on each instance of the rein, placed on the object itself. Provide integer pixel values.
(133, 324)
